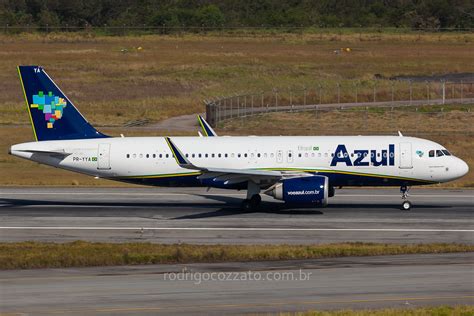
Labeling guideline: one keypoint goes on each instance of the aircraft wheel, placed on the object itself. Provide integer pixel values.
(246, 205)
(406, 205)
(255, 200)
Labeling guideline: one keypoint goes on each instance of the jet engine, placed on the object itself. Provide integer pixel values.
(304, 190)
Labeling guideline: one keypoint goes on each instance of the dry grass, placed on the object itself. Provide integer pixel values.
(459, 310)
(172, 74)
(29, 255)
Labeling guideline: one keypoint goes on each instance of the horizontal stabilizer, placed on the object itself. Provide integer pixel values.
(54, 153)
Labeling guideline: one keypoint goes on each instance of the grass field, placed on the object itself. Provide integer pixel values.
(29, 255)
(171, 75)
(462, 310)
(112, 81)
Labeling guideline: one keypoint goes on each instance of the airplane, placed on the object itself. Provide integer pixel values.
(299, 170)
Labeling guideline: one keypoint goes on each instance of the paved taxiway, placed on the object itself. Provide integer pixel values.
(169, 215)
(337, 283)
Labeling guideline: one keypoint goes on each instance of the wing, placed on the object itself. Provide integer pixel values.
(229, 175)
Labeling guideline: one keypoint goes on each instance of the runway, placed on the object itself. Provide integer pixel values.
(337, 283)
(172, 215)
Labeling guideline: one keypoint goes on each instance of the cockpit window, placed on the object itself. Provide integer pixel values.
(447, 153)
(439, 153)
(431, 153)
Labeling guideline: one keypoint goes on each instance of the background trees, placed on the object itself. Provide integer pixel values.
(235, 13)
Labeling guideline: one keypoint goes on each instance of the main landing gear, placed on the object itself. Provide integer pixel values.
(406, 205)
(252, 202)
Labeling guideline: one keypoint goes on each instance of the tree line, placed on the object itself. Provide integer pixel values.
(433, 14)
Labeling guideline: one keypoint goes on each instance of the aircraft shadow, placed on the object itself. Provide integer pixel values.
(191, 210)
(21, 207)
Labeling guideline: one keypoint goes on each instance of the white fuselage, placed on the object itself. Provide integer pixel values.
(362, 160)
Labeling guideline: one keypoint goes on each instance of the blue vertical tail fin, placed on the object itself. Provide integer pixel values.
(52, 114)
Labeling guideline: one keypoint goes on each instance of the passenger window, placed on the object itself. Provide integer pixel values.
(193, 155)
(134, 155)
(258, 155)
(161, 156)
(154, 155)
(128, 155)
(225, 155)
(219, 155)
(148, 155)
(141, 155)
(439, 153)
(167, 155)
(187, 155)
(213, 155)
(245, 155)
(238, 155)
(206, 155)
(199, 156)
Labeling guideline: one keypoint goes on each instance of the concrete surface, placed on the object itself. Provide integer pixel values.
(170, 215)
(337, 283)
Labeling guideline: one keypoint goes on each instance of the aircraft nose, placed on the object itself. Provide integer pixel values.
(463, 168)
(459, 168)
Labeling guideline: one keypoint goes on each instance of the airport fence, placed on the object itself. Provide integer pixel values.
(356, 95)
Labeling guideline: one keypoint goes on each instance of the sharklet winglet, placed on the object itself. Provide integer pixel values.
(206, 128)
(181, 159)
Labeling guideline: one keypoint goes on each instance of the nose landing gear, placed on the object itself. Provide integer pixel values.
(406, 205)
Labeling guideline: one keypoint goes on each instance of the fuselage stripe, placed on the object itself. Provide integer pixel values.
(169, 175)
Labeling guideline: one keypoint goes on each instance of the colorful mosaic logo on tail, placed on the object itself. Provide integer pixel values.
(51, 105)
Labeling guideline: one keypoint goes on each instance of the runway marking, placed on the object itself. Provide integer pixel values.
(222, 194)
(415, 230)
(242, 305)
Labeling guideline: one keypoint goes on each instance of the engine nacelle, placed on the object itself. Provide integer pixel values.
(304, 190)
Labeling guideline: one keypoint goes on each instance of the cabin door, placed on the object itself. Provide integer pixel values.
(405, 156)
(103, 157)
